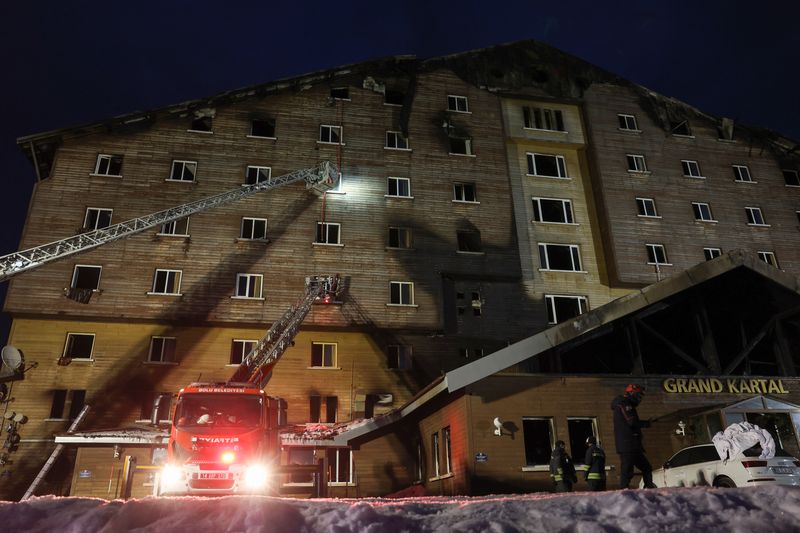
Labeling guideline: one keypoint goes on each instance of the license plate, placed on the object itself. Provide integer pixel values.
(213, 475)
(783, 469)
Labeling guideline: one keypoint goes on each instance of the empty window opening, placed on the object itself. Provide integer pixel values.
(398, 356)
(539, 118)
(162, 350)
(464, 192)
(253, 229)
(323, 409)
(537, 434)
(460, 146)
(79, 345)
(469, 241)
(579, 430)
(681, 128)
(108, 165)
(560, 307)
(239, 350)
(201, 124)
(328, 233)
(97, 218)
(550, 166)
(73, 400)
(263, 128)
(257, 174)
(323, 354)
(183, 171)
(394, 97)
(399, 237)
(86, 277)
(554, 210)
(340, 93)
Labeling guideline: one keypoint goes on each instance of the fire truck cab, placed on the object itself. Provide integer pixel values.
(223, 440)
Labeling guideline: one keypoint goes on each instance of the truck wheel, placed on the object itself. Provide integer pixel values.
(724, 483)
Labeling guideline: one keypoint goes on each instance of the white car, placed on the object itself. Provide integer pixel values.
(701, 466)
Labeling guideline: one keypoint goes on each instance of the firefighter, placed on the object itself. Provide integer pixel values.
(628, 436)
(561, 468)
(594, 465)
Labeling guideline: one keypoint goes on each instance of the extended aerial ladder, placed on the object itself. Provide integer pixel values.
(321, 178)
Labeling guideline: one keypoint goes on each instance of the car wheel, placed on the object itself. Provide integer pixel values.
(724, 483)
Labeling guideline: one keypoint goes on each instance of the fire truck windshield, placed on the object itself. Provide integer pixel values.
(218, 410)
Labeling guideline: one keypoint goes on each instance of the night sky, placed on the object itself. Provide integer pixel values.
(74, 62)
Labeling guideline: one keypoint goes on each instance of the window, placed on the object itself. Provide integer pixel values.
(466, 353)
(201, 124)
(656, 254)
(537, 434)
(239, 350)
(394, 97)
(458, 104)
(627, 122)
(323, 354)
(330, 134)
(96, 218)
(543, 119)
(680, 128)
(579, 430)
(79, 346)
(464, 192)
(183, 171)
(162, 350)
(769, 258)
(702, 212)
(398, 356)
(399, 237)
(108, 165)
(477, 303)
(263, 128)
(448, 460)
(550, 166)
(469, 241)
(553, 210)
(301, 456)
(460, 145)
(691, 169)
(636, 163)
(755, 217)
(791, 178)
(711, 253)
(401, 293)
(166, 282)
(257, 174)
(559, 257)
(561, 308)
(328, 233)
(323, 409)
(742, 173)
(253, 229)
(396, 141)
(76, 401)
(86, 277)
(646, 207)
(398, 187)
(176, 228)
(798, 216)
(340, 93)
(435, 455)
(340, 466)
(249, 285)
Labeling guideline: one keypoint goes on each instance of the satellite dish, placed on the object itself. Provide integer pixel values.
(12, 358)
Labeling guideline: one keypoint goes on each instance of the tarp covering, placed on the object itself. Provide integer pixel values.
(732, 443)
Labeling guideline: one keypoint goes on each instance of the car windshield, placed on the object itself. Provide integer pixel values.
(755, 451)
(218, 410)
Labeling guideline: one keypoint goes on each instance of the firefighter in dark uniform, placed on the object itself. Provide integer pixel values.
(594, 465)
(561, 468)
(628, 436)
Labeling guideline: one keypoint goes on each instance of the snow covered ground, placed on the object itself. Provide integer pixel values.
(751, 510)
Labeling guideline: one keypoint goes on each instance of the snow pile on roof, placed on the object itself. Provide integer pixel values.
(750, 510)
(302, 433)
(133, 434)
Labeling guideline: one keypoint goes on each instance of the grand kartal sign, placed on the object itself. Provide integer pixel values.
(724, 386)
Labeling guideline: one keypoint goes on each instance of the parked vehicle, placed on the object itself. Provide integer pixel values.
(701, 466)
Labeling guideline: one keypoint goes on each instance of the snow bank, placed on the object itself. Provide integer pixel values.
(749, 510)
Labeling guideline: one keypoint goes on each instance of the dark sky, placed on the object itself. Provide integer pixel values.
(78, 61)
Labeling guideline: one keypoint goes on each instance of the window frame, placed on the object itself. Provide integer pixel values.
(574, 252)
(652, 254)
(330, 128)
(334, 356)
(402, 355)
(397, 180)
(75, 276)
(560, 163)
(763, 255)
(467, 144)
(633, 161)
(448, 451)
(455, 99)
(578, 456)
(435, 459)
(252, 221)
(327, 227)
(336, 452)
(552, 437)
(552, 315)
(689, 166)
(111, 159)
(622, 119)
(400, 302)
(566, 209)
(168, 271)
(401, 232)
(538, 118)
(73, 334)
(175, 224)
(467, 239)
(796, 180)
(641, 205)
(711, 253)
(702, 212)
(100, 211)
(752, 219)
(396, 137)
(270, 122)
(243, 350)
(464, 187)
(738, 175)
(164, 345)
(258, 169)
(249, 276)
(185, 163)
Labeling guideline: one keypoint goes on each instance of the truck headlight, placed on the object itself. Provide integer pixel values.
(255, 477)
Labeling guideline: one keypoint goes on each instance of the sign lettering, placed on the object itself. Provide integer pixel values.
(727, 386)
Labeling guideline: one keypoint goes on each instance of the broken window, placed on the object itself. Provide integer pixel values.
(769, 258)
(396, 141)
(550, 166)
(464, 192)
(469, 241)
(646, 207)
(340, 93)
(249, 285)
(680, 128)
(166, 282)
(303, 456)
(239, 350)
(253, 229)
(86, 277)
(755, 217)
(263, 128)
(398, 356)
(57, 404)
(79, 345)
(257, 174)
(554, 210)
(656, 254)
(201, 124)
(401, 293)
(559, 257)
(108, 165)
(560, 307)
(691, 169)
(328, 233)
(176, 228)
(702, 212)
(97, 218)
(399, 237)
(580, 429)
(458, 104)
(398, 187)
(538, 438)
(394, 97)
(162, 350)
(323, 354)
(711, 253)
(330, 134)
(183, 170)
(742, 173)
(636, 163)
(460, 146)
(627, 122)
(323, 409)
(539, 118)
(791, 178)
